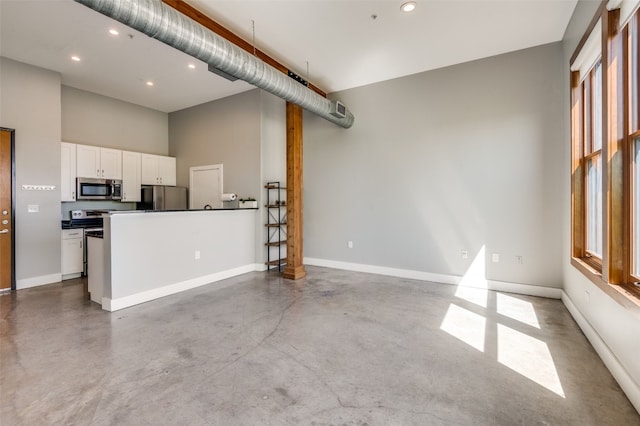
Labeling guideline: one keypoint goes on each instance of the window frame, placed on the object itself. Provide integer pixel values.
(583, 125)
(613, 273)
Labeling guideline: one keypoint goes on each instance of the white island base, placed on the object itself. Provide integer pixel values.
(148, 255)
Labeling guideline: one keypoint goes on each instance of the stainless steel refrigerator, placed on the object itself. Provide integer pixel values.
(163, 198)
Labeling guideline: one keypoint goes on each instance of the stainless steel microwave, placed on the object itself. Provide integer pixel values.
(99, 189)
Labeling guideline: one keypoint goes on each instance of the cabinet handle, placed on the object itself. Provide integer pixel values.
(80, 243)
(98, 172)
(73, 195)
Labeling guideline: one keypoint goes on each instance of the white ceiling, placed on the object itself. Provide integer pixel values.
(343, 46)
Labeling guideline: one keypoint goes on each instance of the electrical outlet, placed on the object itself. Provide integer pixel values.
(495, 258)
(197, 254)
(519, 259)
(464, 254)
(350, 244)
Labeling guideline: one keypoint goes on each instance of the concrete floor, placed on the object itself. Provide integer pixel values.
(337, 348)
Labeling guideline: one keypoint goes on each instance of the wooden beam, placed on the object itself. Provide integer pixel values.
(295, 269)
(193, 13)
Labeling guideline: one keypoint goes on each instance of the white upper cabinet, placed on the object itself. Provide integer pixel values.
(158, 170)
(111, 163)
(96, 162)
(131, 176)
(88, 160)
(167, 170)
(68, 171)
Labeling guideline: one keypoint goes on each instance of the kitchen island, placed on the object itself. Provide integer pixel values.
(148, 255)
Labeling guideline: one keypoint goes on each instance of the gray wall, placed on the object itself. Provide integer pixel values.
(273, 147)
(226, 131)
(43, 113)
(92, 119)
(30, 104)
(616, 326)
(464, 157)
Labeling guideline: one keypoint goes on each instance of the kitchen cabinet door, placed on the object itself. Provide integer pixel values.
(131, 176)
(72, 252)
(88, 161)
(167, 170)
(110, 163)
(158, 170)
(68, 171)
(149, 169)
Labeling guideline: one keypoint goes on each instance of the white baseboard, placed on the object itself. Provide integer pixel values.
(38, 281)
(259, 267)
(629, 386)
(70, 276)
(526, 289)
(111, 305)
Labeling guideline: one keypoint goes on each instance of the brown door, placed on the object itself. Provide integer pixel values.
(6, 210)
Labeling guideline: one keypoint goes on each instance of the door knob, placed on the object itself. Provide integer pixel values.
(4, 212)
(4, 231)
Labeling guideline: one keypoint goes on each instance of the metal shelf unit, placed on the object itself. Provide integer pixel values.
(276, 227)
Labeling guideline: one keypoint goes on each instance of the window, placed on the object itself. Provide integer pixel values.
(631, 35)
(605, 146)
(635, 269)
(592, 160)
(587, 114)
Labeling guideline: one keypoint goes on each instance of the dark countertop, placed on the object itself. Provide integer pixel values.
(68, 224)
(173, 211)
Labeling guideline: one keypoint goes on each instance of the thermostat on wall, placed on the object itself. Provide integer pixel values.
(338, 109)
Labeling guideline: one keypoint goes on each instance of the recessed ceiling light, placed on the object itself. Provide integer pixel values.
(191, 66)
(113, 31)
(149, 83)
(408, 6)
(75, 58)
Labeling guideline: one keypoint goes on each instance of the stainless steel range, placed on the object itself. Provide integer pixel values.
(89, 221)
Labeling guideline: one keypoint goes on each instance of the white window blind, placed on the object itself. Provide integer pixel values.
(590, 52)
(627, 9)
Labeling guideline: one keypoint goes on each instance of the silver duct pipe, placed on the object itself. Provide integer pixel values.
(162, 22)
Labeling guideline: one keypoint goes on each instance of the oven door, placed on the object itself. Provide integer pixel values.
(84, 253)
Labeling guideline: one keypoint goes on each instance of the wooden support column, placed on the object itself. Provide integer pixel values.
(295, 269)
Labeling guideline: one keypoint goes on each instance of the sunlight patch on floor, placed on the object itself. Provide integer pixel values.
(528, 356)
(477, 296)
(517, 309)
(465, 325)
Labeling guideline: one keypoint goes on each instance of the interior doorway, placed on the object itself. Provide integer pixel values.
(7, 194)
(205, 187)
